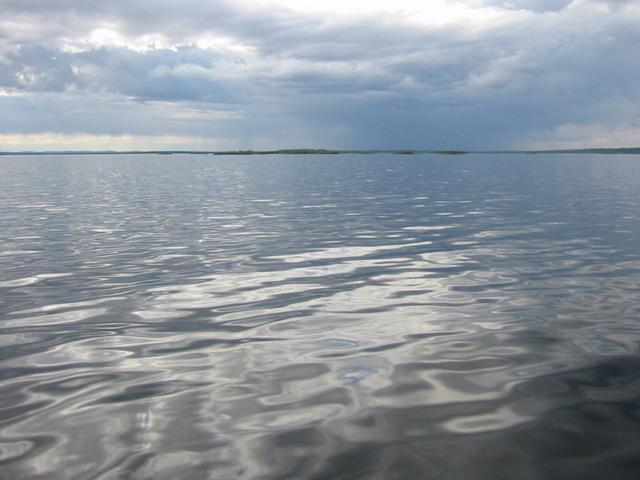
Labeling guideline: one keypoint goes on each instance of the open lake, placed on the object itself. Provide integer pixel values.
(321, 317)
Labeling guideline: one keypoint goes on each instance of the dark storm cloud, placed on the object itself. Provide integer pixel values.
(184, 73)
(360, 80)
(175, 20)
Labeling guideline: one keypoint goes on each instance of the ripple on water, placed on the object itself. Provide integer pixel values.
(299, 317)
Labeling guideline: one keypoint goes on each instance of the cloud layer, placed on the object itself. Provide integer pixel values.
(264, 74)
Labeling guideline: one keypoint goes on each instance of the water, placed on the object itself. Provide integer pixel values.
(322, 317)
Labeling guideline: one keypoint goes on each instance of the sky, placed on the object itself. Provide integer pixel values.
(217, 74)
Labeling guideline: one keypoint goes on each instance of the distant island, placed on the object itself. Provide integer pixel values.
(322, 151)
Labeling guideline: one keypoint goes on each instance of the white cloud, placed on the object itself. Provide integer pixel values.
(81, 141)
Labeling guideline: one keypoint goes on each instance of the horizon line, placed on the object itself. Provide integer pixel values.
(324, 151)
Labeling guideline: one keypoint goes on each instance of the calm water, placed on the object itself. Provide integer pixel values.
(322, 317)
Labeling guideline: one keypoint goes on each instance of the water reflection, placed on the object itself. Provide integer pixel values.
(319, 317)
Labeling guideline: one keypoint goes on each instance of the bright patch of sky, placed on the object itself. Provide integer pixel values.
(433, 12)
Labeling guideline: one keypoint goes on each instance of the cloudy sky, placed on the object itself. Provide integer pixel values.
(217, 74)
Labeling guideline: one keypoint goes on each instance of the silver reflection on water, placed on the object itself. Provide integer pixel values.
(319, 317)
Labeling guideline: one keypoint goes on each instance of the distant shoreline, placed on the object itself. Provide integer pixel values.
(321, 151)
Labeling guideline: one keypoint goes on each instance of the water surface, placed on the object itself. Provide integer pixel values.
(322, 317)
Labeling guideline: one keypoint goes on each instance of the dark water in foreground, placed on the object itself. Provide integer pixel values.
(334, 317)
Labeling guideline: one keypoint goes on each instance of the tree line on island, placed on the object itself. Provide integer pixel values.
(322, 151)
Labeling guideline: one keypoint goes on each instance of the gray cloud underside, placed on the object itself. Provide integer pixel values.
(357, 81)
